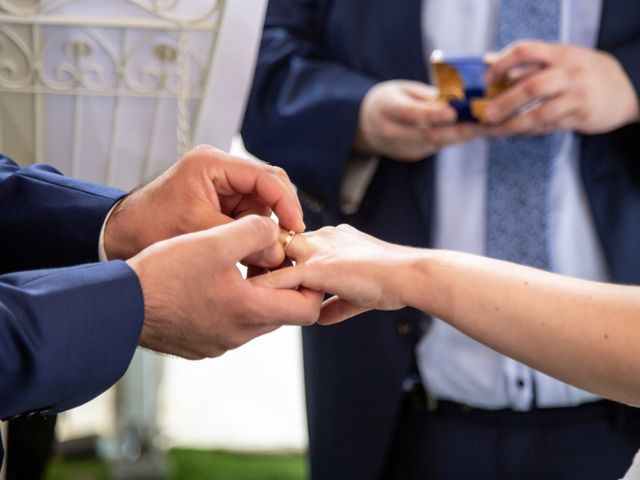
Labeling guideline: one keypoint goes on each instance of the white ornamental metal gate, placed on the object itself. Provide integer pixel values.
(114, 91)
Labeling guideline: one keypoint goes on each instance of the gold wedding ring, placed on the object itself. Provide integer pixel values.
(288, 239)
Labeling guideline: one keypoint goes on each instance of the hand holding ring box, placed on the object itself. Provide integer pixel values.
(461, 80)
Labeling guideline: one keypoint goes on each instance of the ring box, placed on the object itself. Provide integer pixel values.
(461, 80)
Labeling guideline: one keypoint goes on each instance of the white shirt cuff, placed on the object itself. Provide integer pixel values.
(102, 254)
(359, 172)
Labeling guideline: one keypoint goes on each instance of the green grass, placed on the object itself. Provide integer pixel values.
(193, 464)
(76, 470)
(198, 465)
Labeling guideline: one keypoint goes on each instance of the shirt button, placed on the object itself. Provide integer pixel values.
(520, 383)
(405, 329)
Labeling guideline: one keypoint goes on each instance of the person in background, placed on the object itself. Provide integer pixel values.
(585, 333)
(341, 99)
(168, 279)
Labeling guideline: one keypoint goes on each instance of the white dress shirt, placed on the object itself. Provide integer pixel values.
(634, 471)
(453, 366)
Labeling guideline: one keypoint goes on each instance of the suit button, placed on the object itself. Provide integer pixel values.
(405, 328)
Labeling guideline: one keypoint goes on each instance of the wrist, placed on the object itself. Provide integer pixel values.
(120, 238)
(152, 328)
(412, 274)
(148, 334)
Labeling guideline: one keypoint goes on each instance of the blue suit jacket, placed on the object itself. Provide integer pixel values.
(318, 59)
(67, 332)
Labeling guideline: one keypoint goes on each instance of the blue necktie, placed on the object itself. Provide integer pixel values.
(519, 168)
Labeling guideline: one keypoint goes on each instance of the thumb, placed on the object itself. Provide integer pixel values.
(420, 91)
(247, 235)
(288, 277)
(336, 310)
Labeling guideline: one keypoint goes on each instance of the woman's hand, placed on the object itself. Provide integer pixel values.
(363, 273)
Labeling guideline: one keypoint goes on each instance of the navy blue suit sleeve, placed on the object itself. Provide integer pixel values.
(303, 109)
(47, 219)
(66, 335)
(620, 35)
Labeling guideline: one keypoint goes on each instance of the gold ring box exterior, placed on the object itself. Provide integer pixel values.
(461, 80)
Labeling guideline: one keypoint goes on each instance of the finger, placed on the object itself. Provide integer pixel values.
(410, 139)
(299, 248)
(284, 177)
(270, 257)
(281, 198)
(552, 112)
(285, 278)
(410, 112)
(247, 205)
(437, 114)
(525, 52)
(518, 74)
(234, 175)
(548, 83)
(285, 264)
(336, 309)
(566, 123)
(539, 120)
(444, 136)
(419, 91)
(518, 125)
(299, 307)
(255, 271)
(244, 237)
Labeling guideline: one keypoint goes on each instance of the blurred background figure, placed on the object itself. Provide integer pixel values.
(114, 92)
(342, 100)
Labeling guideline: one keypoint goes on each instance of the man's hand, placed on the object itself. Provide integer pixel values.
(197, 304)
(566, 88)
(207, 187)
(400, 119)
